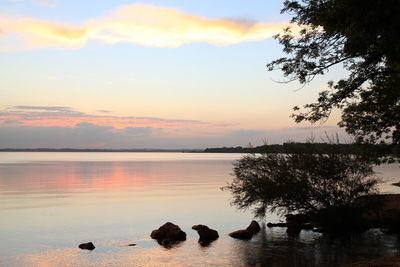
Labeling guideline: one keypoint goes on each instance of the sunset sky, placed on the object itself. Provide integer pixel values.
(148, 74)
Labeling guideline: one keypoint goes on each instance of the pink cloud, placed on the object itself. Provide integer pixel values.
(67, 117)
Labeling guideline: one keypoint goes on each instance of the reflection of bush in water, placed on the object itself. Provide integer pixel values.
(303, 182)
(274, 248)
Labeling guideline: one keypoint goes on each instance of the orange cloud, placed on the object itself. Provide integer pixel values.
(36, 33)
(138, 24)
(66, 117)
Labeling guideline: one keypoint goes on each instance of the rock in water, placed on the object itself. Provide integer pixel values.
(168, 234)
(293, 230)
(248, 233)
(206, 234)
(254, 227)
(242, 234)
(88, 246)
(307, 226)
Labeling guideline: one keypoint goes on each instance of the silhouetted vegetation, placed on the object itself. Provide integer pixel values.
(377, 151)
(327, 179)
(300, 182)
(361, 35)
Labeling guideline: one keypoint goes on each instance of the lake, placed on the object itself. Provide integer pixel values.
(51, 202)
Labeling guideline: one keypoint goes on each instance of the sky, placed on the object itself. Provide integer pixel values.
(150, 74)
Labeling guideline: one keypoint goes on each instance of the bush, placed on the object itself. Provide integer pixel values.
(302, 183)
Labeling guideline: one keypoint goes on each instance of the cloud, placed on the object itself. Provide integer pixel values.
(58, 116)
(89, 135)
(50, 108)
(56, 137)
(138, 24)
(58, 126)
(35, 33)
(11, 122)
(103, 111)
(138, 130)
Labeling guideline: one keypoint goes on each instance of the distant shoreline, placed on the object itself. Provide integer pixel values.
(290, 148)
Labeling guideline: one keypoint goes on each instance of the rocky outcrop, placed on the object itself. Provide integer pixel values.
(247, 233)
(168, 234)
(88, 246)
(206, 234)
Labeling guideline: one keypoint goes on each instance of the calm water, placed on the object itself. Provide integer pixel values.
(51, 202)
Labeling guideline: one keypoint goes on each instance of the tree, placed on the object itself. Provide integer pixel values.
(363, 35)
(308, 182)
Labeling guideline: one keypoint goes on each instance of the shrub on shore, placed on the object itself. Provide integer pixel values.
(307, 182)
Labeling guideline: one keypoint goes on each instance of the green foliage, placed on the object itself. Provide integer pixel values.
(363, 35)
(303, 182)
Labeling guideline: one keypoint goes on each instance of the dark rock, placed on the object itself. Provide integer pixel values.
(396, 184)
(319, 230)
(293, 230)
(307, 226)
(206, 234)
(168, 234)
(297, 219)
(131, 245)
(88, 246)
(167, 243)
(276, 225)
(247, 233)
(254, 227)
(242, 234)
(298, 222)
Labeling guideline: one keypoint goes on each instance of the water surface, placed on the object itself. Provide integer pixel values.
(52, 201)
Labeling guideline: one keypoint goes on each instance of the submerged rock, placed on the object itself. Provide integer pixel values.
(206, 234)
(247, 233)
(88, 246)
(168, 234)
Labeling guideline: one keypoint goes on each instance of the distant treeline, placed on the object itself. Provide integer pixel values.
(292, 147)
(289, 147)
